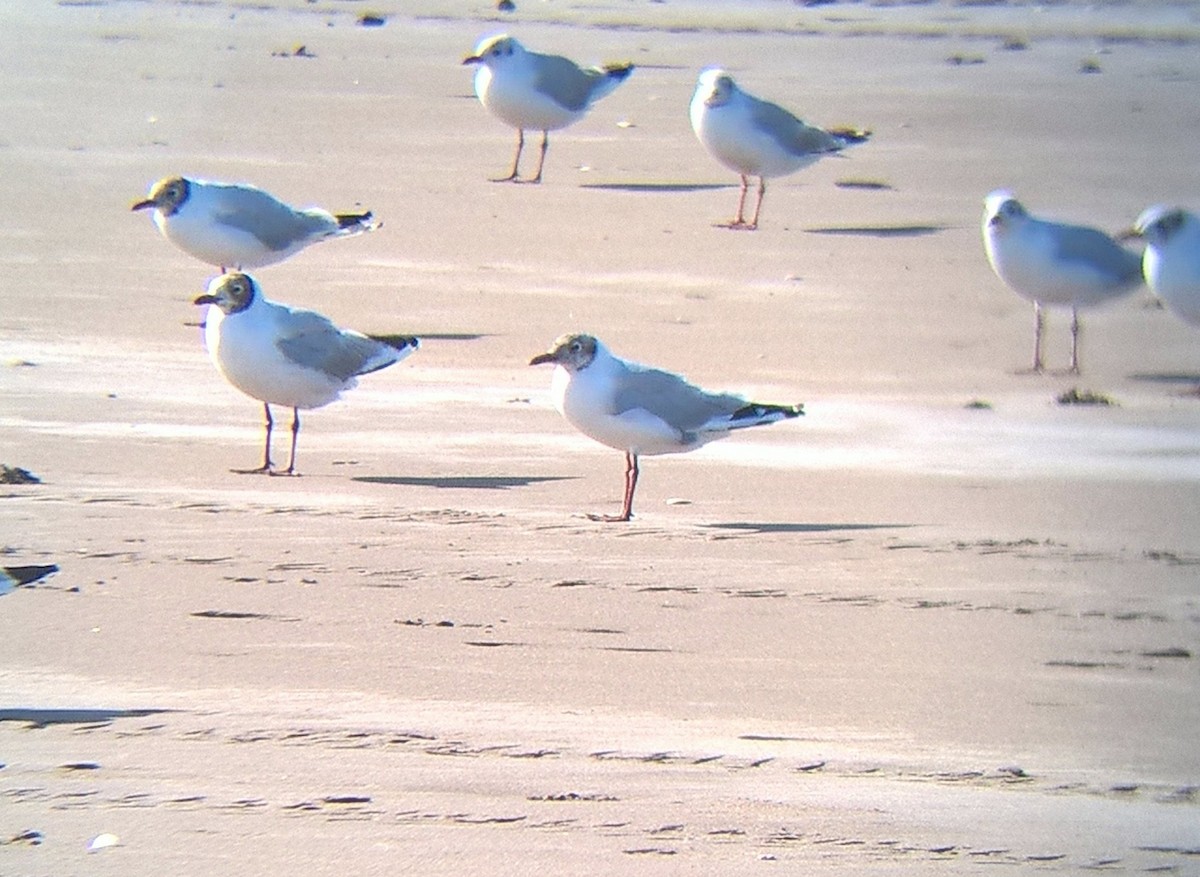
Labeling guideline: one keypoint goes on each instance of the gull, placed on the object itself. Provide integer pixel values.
(236, 225)
(281, 355)
(1051, 263)
(642, 410)
(525, 89)
(1171, 261)
(12, 577)
(754, 137)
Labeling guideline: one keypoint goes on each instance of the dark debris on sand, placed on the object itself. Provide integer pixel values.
(17, 475)
(1076, 396)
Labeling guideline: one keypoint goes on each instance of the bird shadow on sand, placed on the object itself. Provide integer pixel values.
(1191, 382)
(658, 187)
(40, 718)
(785, 527)
(880, 231)
(452, 336)
(464, 482)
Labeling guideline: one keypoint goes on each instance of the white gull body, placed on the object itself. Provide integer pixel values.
(756, 138)
(529, 90)
(1171, 262)
(288, 356)
(642, 410)
(236, 225)
(1055, 264)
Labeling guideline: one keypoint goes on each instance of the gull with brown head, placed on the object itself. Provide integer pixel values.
(288, 356)
(236, 225)
(642, 410)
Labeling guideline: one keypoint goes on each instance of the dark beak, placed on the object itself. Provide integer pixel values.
(542, 359)
(1129, 234)
(142, 205)
(472, 59)
(205, 299)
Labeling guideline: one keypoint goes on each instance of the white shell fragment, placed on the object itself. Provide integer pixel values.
(102, 841)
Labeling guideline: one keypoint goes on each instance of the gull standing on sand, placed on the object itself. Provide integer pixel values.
(754, 137)
(236, 225)
(1171, 262)
(525, 89)
(1051, 263)
(641, 410)
(286, 356)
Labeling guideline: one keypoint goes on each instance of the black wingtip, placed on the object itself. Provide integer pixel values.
(350, 220)
(400, 342)
(757, 410)
(851, 136)
(27, 575)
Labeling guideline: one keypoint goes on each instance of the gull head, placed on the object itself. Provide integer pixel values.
(1158, 225)
(572, 352)
(1001, 210)
(231, 292)
(166, 195)
(494, 51)
(715, 87)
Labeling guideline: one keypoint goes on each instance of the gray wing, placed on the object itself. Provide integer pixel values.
(274, 223)
(564, 82)
(1090, 246)
(313, 341)
(684, 406)
(791, 133)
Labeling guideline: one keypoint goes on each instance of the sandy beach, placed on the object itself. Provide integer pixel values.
(941, 623)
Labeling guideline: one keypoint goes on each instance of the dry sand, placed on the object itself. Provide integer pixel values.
(899, 634)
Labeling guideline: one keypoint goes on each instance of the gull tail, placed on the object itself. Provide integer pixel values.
(1130, 269)
(396, 348)
(356, 223)
(608, 78)
(757, 413)
(12, 577)
(847, 136)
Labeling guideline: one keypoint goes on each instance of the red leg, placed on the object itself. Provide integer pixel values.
(762, 190)
(631, 478)
(537, 178)
(512, 176)
(291, 469)
(739, 221)
(265, 468)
